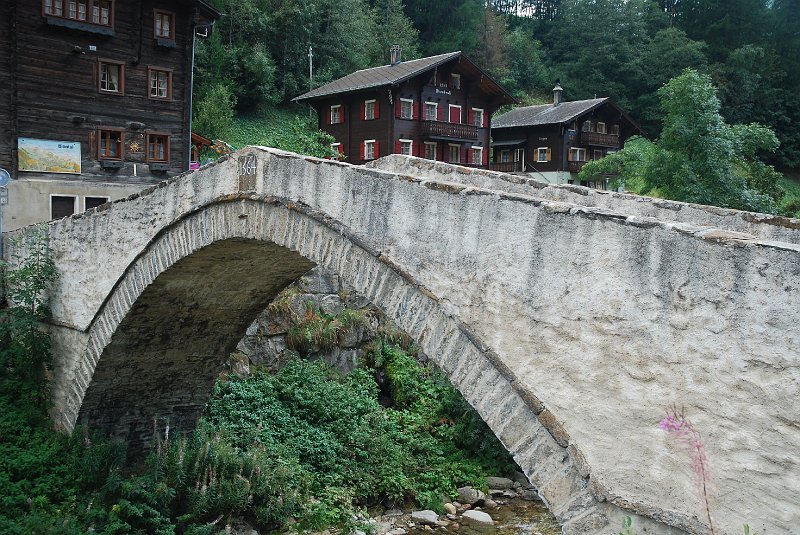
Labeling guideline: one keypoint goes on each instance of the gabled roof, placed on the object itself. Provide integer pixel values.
(546, 113)
(388, 75)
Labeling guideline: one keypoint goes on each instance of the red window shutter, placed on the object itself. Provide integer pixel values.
(415, 111)
(377, 109)
(397, 108)
(342, 113)
(464, 155)
(439, 152)
(363, 111)
(363, 151)
(340, 148)
(397, 147)
(471, 116)
(377, 150)
(485, 156)
(440, 113)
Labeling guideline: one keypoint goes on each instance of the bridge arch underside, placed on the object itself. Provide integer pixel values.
(159, 341)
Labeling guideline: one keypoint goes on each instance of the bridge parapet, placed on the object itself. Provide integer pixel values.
(592, 318)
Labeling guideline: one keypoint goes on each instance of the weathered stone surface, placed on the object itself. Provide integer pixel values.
(468, 495)
(450, 508)
(478, 517)
(499, 483)
(425, 517)
(531, 495)
(600, 316)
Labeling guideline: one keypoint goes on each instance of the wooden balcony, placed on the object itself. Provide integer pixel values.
(506, 167)
(600, 140)
(436, 129)
(575, 167)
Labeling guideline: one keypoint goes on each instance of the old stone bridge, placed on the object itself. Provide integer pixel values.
(568, 318)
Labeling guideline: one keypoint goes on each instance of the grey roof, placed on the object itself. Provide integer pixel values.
(379, 76)
(546, 113)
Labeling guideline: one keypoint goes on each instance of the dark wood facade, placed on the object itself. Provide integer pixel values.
(117, 80)
(441, 113)
(554, 152)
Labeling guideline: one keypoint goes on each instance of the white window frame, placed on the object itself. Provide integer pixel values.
(74, 203)
(410, 102)
(435, 111)
(369, 149)
(450, 147)
(335, 147)
(106, 197)
(460, 113)
(407, 143)
(477, 151)
(456, 80)
(505, 155)
(474, 115)
(594, 154)
(338, 108)
(541, 154)
(578, 152)
(429, 145)
(586, 126)
(369, 111)
(601, 128)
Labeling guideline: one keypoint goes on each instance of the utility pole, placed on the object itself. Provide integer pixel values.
(310, 81)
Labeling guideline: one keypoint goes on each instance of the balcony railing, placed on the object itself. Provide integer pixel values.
(466, 132)
(506, 167)
(575, 167)
(600, 140)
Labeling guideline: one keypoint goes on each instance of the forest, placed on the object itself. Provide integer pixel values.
(257, 58)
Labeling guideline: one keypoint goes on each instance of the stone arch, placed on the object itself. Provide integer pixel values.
(273, 243)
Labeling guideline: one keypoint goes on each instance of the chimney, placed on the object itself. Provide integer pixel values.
(395, 54)
(557, 90)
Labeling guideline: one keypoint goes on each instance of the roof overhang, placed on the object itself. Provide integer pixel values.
(508, 143)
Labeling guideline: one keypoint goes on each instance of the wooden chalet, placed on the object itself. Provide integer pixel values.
(436, 108)
(552, 142)
(95, 100)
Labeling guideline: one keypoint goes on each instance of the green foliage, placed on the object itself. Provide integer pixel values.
(281, 129)
(214, 112)
(627, 526)
(699, 157)
(316, 331)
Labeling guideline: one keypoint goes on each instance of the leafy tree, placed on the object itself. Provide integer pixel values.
(527, 73)
(699, 157)
(215, 112)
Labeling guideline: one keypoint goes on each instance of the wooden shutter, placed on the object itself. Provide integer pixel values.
(397, 147)
(377, 109)
(342, 113)
(439, 152)
(415, 110)
(471, 116)
(486, 156)
(569, 155)
(464, 155)
(440, 113)
(330, 115)
(377, 150)
(549, 154)
(397, 108)
(363, 111)
(363, 151)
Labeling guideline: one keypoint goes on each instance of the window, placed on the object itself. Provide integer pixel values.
(454, 152)
(577, 155)
(597, 154)
(406, 147)
(430, 150)
(406, 108)
(477, 117)
(431, 111)
(339, 149)
(601, 128)
(615, 129)
(62, 206)
(505, 156)
(157, 147)
(455, 113)
(543, 154)
(164, 25)
(370, 149)
(587, 126)
(112, 77)
(98, 12)
(477, 156)
(455, 81)
(160, 83)
(369, 110)
(94, 202)
(336, 114)
(109, 146)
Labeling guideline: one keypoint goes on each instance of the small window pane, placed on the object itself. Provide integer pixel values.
(61, 206)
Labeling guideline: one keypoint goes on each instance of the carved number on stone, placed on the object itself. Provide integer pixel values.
(247, 172)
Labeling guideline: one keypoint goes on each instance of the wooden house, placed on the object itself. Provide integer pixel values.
(436, 108)
(95, 99)
(551, 142)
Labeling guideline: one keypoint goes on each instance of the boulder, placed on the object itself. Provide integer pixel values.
(478, 517)
(450, 508)
(426, 517)
(531, 495)
(499, 483)
(470, 495)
